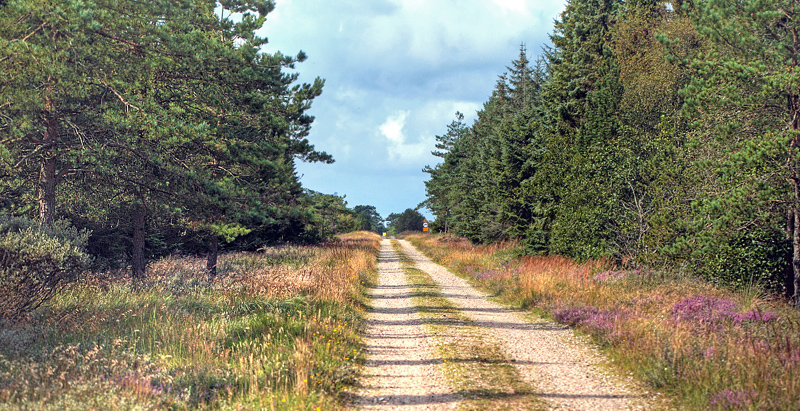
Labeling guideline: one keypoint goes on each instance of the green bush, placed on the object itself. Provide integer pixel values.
(35, 261)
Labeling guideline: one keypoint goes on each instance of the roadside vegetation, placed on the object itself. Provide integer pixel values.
(275, 329)
(701, 345)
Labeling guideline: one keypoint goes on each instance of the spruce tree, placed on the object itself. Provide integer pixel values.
(569, 188)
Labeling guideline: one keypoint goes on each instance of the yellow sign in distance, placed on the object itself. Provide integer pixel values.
(425, 226)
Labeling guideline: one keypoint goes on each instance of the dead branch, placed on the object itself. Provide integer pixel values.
(116, 93)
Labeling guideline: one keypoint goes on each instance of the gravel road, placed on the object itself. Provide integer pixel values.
(402, 369)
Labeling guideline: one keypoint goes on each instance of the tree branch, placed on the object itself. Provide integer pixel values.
(119, 96)
(121, 40)
(24, 39)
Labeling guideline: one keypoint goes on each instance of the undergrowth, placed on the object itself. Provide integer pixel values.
(276, 329)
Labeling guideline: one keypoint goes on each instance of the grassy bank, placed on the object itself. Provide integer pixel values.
(704, 346)
(277, 329)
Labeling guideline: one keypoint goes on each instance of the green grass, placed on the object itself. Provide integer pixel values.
(261, 336)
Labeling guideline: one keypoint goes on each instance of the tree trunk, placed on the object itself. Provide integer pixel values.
(793, 109)
(213, 248)
(137, 245)
(47, 172)
(788, 270)
(47, 191)
(796, 257)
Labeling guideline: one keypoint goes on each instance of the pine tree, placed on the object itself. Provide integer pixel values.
(743, 99)
(163, 107)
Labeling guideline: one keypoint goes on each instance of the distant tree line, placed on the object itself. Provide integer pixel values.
(136, 129)
(651, 133)
(408, 220)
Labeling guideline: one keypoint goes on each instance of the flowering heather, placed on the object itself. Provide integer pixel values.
(591, 318)
(502, 273)
(702, 346)
(485, 275)
(712, 313)
(756, 316)
(733, 399)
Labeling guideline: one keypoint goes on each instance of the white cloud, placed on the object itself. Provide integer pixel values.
(516, 6)
(396, 72)
(392, 128)
(400, 150)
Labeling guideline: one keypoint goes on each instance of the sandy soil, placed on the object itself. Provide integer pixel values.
(402, 368)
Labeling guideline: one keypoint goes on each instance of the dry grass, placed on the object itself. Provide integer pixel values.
(277, 329)
(703, 346)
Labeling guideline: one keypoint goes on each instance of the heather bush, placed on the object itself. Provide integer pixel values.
(35, 261)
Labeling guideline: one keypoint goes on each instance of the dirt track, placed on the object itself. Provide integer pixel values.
(404, 371)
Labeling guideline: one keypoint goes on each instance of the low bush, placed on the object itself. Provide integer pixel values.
(35, 261)
(275, 329)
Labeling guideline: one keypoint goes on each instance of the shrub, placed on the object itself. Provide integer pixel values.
(36, 261)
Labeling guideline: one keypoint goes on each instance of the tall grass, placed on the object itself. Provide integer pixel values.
(276, 329)
(703, 346)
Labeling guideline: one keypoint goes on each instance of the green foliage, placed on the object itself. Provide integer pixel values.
(444, 189)
(477, 189)
(369, 218)
(651, 134)
(35, 261)
(166, 110)
(408, 220)
(331, 215)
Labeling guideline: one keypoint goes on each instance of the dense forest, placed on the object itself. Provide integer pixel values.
(131, 130)
(649, 133)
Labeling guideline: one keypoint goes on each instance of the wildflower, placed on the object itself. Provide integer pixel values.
(609, 275)
(711, 313)
(733, 399)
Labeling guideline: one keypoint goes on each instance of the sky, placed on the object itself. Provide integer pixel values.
(396, 72)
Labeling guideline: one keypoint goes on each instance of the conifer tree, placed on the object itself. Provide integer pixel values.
(444, 189)
(579, 100)
(166, 107)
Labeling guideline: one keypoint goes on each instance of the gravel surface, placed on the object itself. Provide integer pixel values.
(402, 369)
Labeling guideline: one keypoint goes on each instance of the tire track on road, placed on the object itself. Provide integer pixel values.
(402, 369)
